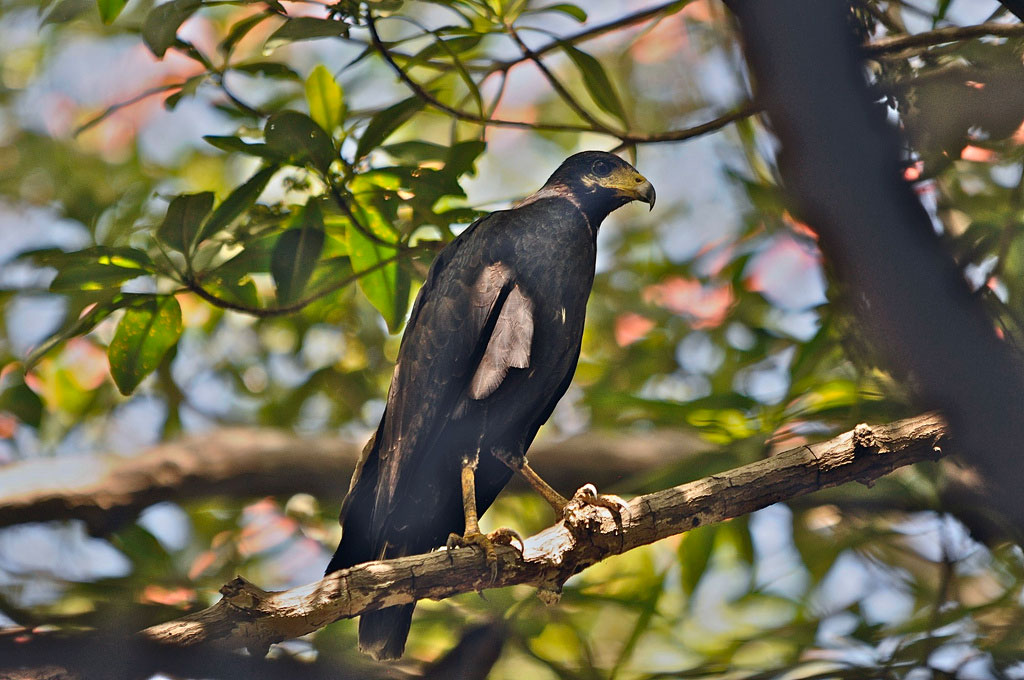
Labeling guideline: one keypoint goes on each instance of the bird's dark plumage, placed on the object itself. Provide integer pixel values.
(490, 347)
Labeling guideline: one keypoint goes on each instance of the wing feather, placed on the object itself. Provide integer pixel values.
(508, 347)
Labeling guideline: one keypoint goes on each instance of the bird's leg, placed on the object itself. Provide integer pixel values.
(585, 495)
(472, 534)
(556, 500)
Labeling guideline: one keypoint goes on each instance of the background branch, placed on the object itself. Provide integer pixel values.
(250, 617)
(108, 490)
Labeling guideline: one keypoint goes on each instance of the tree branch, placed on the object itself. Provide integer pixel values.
(108, 490)
(842, 165)
(897, 43)
(250, 617)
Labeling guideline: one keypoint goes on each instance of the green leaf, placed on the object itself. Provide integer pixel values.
(387, 285)
(270, 69)
(184, 215)
(92, 276)
(66, 10)
(598, 85)
(187, 89)
(240, 29)
(107, 255)
(109, 9)
(160, 29)
(296, 136)
(240, 200)
(239, 290)
(386, 122)
(442, 48)
(306, 28)
(694, 553)
(575, 12)
(81, 318)
(234, 144)
(325, 98)
(296, 254)
(462, 157)
(146, 331)
(19, 399)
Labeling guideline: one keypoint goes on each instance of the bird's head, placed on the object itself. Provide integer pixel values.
(600, 182)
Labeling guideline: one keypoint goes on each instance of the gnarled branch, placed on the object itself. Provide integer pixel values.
(250, 617)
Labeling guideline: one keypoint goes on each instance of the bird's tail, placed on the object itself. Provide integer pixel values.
(382, 634)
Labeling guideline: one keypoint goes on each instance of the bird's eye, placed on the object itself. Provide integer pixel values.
(602, 168)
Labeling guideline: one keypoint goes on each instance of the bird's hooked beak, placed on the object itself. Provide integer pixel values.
(647, 193)
(632, 185)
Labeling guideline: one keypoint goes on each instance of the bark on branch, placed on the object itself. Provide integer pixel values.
(250, 617)
(107, 490)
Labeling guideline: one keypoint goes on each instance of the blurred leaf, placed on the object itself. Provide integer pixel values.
(306, 28)
(92, 276)
(442, 47)
(66, 10)
(187, 89)
(387, 286)
(184, 216)
(386, 122)
(240, 29)
(109, 9)
(270, 69)
(571, 10)
(240, 200)
(160, 29)
(296, 136)
(240, 290)
(598, 85)
(694, 553)
(234, 144)
(146, 331)
(296, 254)
(19, 400)
(462, 157)
(325, 98)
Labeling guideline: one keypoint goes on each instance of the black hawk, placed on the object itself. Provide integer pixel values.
(490, 347)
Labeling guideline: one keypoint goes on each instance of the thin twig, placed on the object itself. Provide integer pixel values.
(557, 86)
(193, 286)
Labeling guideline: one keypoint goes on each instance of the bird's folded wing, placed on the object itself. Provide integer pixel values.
(508, 346)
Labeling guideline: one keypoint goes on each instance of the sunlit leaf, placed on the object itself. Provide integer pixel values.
(110, 9)
(146, 331)
(92, 307)
(184, 216)
(566, 8)
(296, 254)
(160, 29)
(92, 276)
(598, 85)
(387, 286)
(237, 202)
(298, 137)
(325, 99)
(386, 122)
